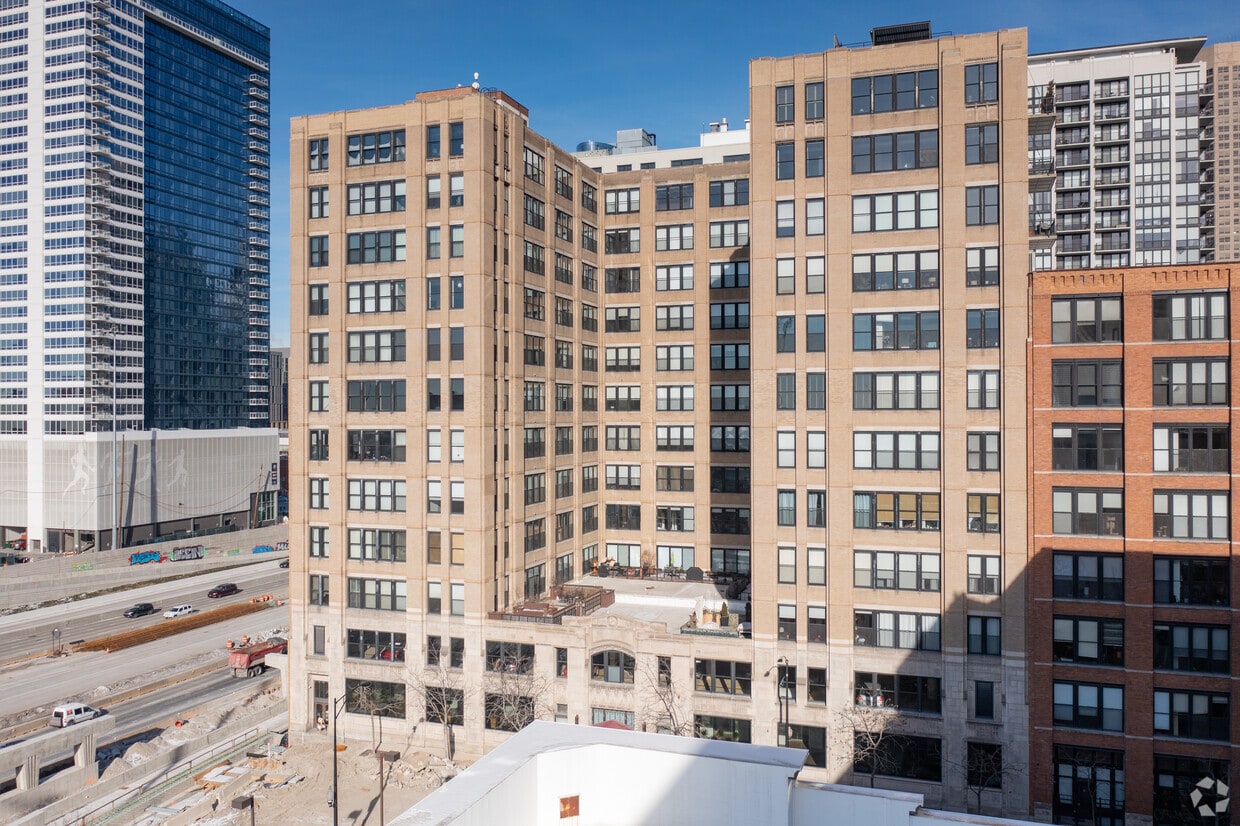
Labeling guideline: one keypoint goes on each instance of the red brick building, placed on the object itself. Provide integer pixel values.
(1130, 574)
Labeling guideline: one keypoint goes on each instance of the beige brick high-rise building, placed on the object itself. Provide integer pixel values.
(725, 440)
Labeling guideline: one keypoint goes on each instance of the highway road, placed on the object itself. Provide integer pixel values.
(30, 632)
(40, 682)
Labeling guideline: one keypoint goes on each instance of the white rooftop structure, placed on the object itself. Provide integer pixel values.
(554, 773)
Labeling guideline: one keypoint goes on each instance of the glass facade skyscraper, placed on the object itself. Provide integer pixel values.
(134, 213)
(134, 282)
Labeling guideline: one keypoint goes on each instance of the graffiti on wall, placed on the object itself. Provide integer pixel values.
(186, 552)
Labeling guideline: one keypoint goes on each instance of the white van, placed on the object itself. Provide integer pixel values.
(178, 611)
(71, 713)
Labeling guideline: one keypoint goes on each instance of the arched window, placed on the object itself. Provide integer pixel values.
(612, 667)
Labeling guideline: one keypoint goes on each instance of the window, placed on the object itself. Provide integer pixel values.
(1192, 448)
(458, 243)
(622, 319)
(1197, 648)
(381, 196)
(983, 574)
(534, 166)
(377, 594)
(729, 193)
(432, 141)
(1192, 317)
(317, 154)
(320, 542)
(535, 396)
(785, 333)
(896, 511)
(816, 391)
(981, 266)
(623, 359)
(981, 205)
(983, 512)
(678, 518)
(785, 104)
(895, 391)
(589, 197)
(814, 100)
(379, 545)
(729, 479)
(380, 445)
(673, 397)
(1190, 382)
(318, 251)
(384, 396)
(895, 151)
(1192, 714)
(786, 391)
(1088, 705)
(729, 520)
(613, 667)
(896, 331)
(786, 508)
(673, 317)
(729, 438)
(456, 139)
(564, 440)
(1088, 383)
(730, 275)
(319, 494)
(1090, 576)
(982, 328)
(722, 677)
(623, 280)
(981, 143)
(729, 234)
(1081, 320)
(983, 451)
(318, 302)
(728, 396)
(535, 534)
(896, 571)
(619, 201)
(729, 316)
(380, 296)
(906, 692)
(1088, 511)
(1180, 580)
(1191, 514)
(888, 93)
(432, 242)
(982, 389)
(376, 247)
(785, 219)
(1089, 641)
(377, 346)
(533, 258)
(895, 451)
(785, 161)
(891, 629)
(896, 271)
(375, 645)
(981, 83)
(534, 304)
(815, 160)
(563, 183)
(318, 349)
(1088, 447)
(376, 147)
(671, 278)
(1089, 786)
(673, 197)
(623, 398)
(433, 191)
(535, 212)
(673, 357)
(318, 202)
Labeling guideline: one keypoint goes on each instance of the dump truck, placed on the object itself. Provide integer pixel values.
(250, 660)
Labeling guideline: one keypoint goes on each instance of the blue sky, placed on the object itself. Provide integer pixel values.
(586, 69)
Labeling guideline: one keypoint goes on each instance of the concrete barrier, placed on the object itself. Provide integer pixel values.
(123, 788)
(53, 577)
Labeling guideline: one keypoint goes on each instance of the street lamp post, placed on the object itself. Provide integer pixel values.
(333, 798)
(781, 681)
(384, 758)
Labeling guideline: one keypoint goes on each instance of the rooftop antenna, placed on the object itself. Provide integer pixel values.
(475, 83)
(836, 38)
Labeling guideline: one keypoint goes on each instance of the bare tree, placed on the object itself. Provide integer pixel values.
(442, 693)
(866, 732)
(515, 695)
(378, 703)
(985, 769)
(663, 706)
